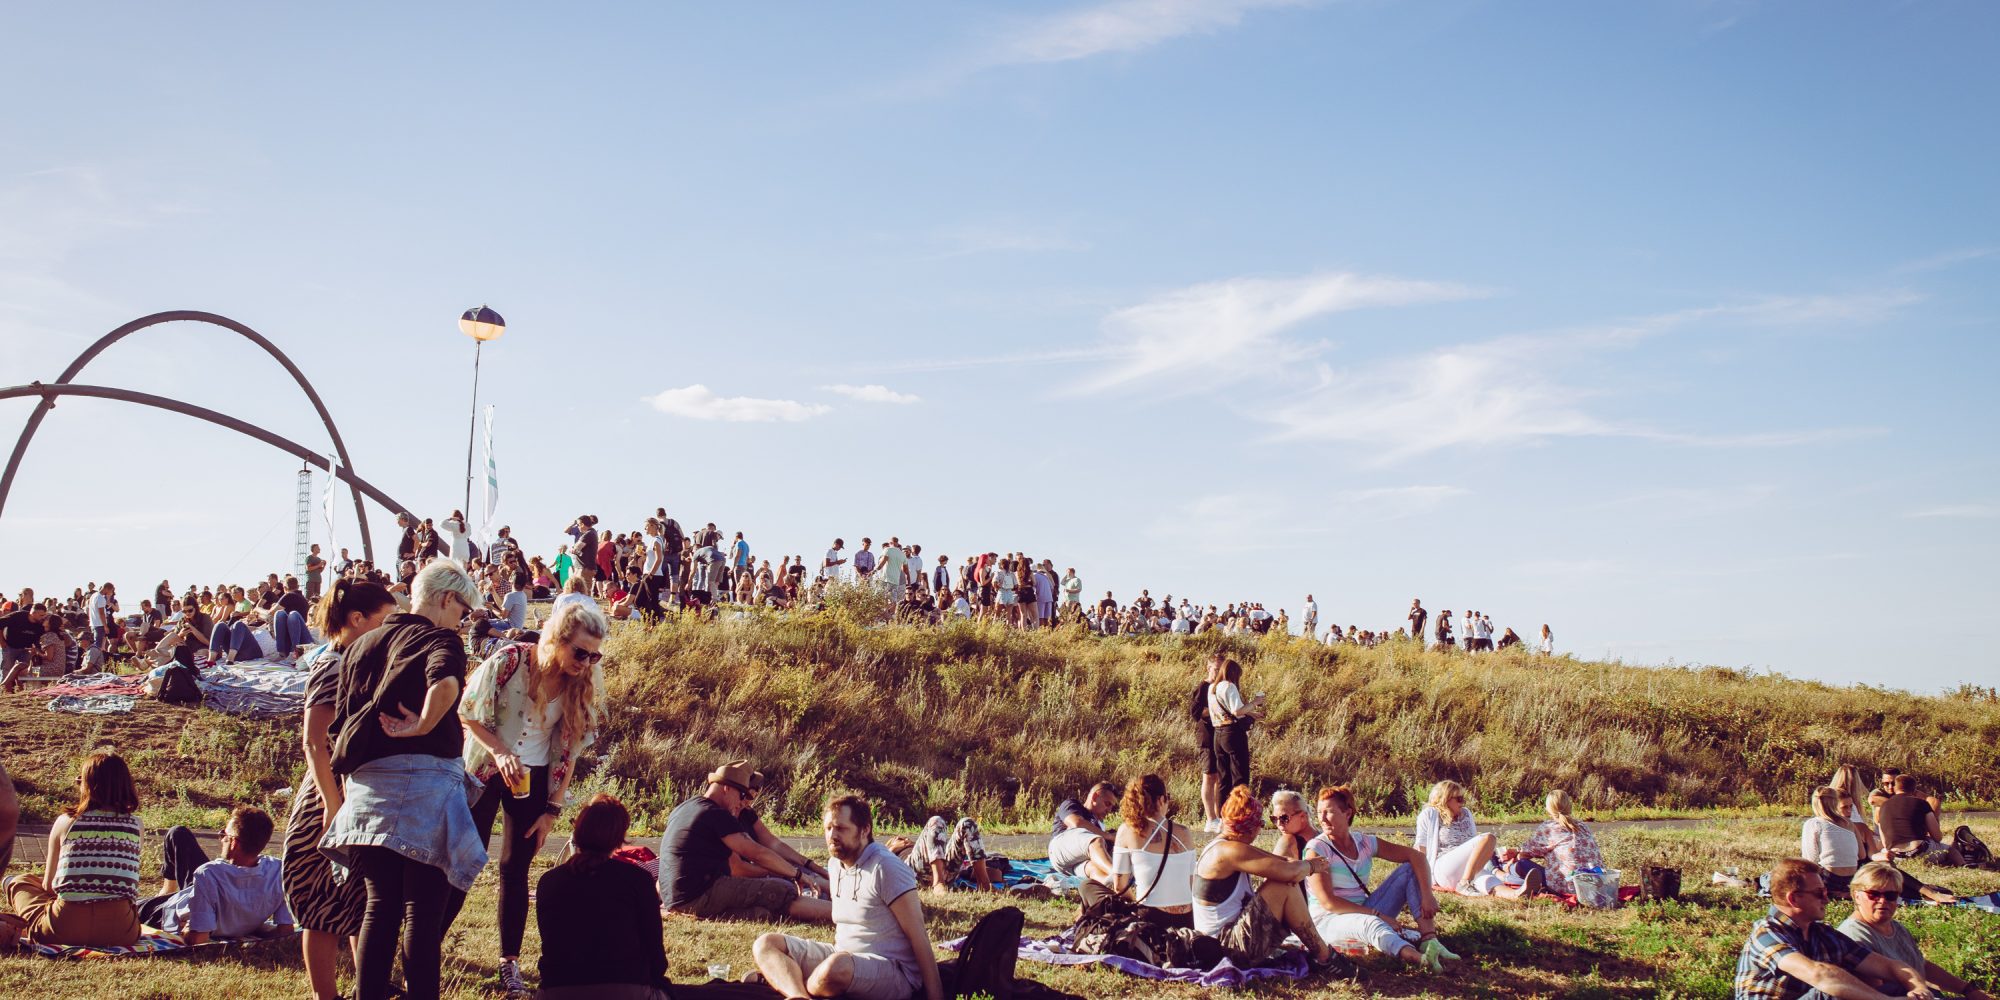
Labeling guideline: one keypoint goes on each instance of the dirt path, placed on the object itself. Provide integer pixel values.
(31, 842)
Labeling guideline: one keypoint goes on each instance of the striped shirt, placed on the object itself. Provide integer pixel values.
(100, 858)
(1349, 874)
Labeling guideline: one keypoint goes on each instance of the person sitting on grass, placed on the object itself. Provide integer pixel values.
(881, 949)
(1563, 845)
(1350, 916)
(231, 898)
(1878, 889)
(1911, 826)
(1790, 954)
(1152, 858)
(701, 835)
(753, 824)
(1834, 844)
(600, 918)
(1449, 836)
(1079, 844)
(944, 852)
(86, 893)
(1250, 922)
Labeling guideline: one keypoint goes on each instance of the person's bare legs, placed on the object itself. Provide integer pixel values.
(981, 877)
(1211, 797)
(807, 910)
(1287, 902)
(322, 954)
(775, 963)
(833, 976)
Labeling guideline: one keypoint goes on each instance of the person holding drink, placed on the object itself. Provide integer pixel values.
(529, 711)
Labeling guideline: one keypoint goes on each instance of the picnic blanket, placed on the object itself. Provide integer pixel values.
(95, 683)
(152, 942)
(258, 689)
(1626, 894)
(1008, 873)
(93, 704)
(1058, 950)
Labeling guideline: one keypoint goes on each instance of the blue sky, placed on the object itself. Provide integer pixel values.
(1669, 324)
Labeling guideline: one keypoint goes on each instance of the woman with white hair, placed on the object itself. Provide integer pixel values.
(530, 710)
(1878, 892)
(404, 826)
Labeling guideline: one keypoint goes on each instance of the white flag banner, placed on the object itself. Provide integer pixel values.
(487, 525)
(330, 508)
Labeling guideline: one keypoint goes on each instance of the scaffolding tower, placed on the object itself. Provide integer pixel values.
(302, 526)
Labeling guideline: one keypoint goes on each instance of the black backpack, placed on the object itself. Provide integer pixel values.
(179, 687)
(986, 964)
(1970, 848)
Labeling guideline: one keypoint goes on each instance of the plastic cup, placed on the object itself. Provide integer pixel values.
(519, 785)
(719, 970)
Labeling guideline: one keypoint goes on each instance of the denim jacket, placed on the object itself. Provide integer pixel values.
(496, 696)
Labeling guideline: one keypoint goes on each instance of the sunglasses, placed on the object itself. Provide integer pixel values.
(1880, 895)
(1278, 819)
(583, 657)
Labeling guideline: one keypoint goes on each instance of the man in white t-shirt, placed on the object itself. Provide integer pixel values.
(836, 557)
(1312, 617)
(881, 949)
(103, 605)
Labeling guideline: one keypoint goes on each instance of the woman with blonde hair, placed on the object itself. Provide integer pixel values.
(1562, 845)
(1852, 786)
(1835, 843)
(529, 712)
(1449, 836)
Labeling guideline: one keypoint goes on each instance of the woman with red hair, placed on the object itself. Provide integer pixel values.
(1250, 921)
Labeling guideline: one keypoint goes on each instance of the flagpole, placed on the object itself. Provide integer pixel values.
(472, 433)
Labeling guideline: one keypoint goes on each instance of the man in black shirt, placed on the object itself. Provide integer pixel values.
(407, 548)
(701, 835)
(1911, 828)
(1417, 617)
(20, 632)
(292, 600)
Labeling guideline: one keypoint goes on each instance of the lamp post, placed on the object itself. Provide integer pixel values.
(481, 324)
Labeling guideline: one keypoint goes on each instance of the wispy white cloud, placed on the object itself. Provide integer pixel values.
(873, 393)
(1219, 331)
(1508, 391)
(1960, 510)
(1124, 26)
(1236, 522)
(1948, 258)
(696, 402)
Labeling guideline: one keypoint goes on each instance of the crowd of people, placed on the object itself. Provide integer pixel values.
(415, 750)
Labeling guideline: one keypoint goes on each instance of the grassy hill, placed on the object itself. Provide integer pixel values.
(1000, 723)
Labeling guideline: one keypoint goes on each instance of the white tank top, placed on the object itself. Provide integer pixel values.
(1170, 878)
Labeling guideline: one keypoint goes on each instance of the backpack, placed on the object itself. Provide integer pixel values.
(986, 964)
(1970, 847)
(1114, 925)
(179, 687)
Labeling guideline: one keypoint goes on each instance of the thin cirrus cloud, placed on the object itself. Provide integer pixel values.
(698, 402)
(1504, 391)
(1222, 330)
(1124, 26)
(1958, 510)
(873, 394)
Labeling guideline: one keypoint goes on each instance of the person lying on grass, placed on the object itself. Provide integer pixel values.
(231, 898)
(881, 949)
(1350, 916)
(1251, 922)
(1790, 954)
(1878, 890)
(943, 852)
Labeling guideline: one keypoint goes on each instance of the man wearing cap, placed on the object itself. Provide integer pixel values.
(694, 859)
(753, 824)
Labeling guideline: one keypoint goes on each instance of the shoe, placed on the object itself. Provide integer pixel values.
(1436, 954)
(510, 978)
(1534, 885)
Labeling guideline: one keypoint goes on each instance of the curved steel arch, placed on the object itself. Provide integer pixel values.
(48, 392)
(196, 316)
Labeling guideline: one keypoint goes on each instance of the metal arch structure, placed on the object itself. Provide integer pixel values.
(196, 316)
(48, 392)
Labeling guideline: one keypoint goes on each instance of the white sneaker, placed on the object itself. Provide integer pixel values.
(1212, 826)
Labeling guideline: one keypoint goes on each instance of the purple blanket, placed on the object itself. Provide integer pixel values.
(1056, 951)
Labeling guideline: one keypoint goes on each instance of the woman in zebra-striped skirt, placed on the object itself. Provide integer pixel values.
(328, 911)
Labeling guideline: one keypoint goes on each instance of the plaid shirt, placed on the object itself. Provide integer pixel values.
(1776, 936)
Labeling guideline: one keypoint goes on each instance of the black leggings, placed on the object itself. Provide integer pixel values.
(516, 851)
(406, 899)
